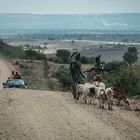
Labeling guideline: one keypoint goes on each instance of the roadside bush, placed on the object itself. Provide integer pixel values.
(17, 63)
(17, 52)
(26, 70)
(46, 69)
(125, 78)
(50, 85)
(11, 51)
(87, 60)
(63, 56)
(63, 75)
(115, 66)
(123, 74)
(33, 55)
(128, 81)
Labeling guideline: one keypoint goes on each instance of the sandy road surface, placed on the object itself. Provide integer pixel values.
(47, 115)
(44, 115)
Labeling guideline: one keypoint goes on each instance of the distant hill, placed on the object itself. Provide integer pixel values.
(30, 23)
(10, 51)
(17, 52)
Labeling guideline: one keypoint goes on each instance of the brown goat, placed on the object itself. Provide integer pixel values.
(119, 94)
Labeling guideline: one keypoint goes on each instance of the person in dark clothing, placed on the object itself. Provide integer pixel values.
(98, 70)
(75, 72)
(17, 76)
(12, 74)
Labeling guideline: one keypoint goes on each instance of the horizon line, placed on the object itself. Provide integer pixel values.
(68, 13)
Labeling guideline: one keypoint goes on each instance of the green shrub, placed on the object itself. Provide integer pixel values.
(128, 81)
(131, 56)
(87, 60)
(25, 69)
(115, 66)
(46, 69)
(125, 78)
(33, 55)
(11, 51)
(50, 85)
(63, 75)
(17, 52)
(123, 75)
(63, 56)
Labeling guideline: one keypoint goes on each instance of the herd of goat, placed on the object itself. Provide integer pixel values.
(89, 92)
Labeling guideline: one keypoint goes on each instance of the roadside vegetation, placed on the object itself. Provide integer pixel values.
(12, 52)
(53, 73)
(63, 57)
(63, 75)
(124, 74)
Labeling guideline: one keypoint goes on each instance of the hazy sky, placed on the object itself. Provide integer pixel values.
(69, 6)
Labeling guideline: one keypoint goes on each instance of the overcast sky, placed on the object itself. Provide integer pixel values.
(69, 6)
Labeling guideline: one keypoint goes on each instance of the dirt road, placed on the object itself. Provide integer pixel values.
(44, 115)
(5, 71)
(47, 115)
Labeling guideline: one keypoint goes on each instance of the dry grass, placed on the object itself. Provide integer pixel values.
(34, 73)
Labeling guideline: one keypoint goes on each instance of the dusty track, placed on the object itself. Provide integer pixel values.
(47, 115)
(41, 115)
(5, 71)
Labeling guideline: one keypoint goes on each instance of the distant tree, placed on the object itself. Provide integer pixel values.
(33, 55)
(29, 54)
(63, 56)
(131, 56)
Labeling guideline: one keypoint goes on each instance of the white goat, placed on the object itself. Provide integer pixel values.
(85, 91)
(89, 92)
(99, 84)
(101, 93)
(109, 93)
